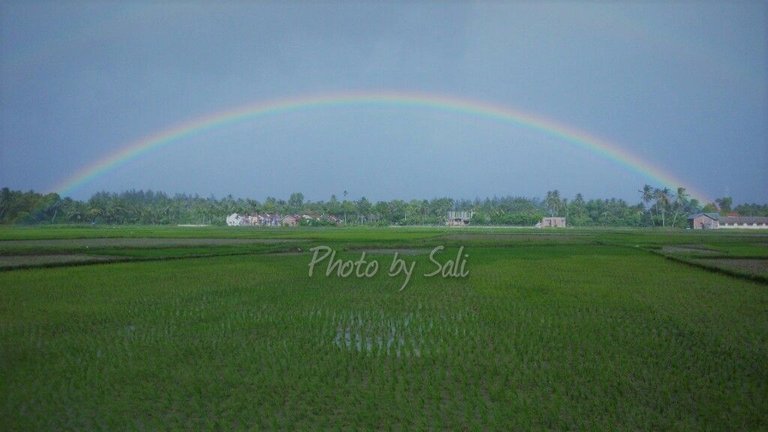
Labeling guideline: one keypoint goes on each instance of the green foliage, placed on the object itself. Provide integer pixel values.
(666, 203)
(296, 202)
(752, 209)
(659, 207)
(724, 204)
(30, 208)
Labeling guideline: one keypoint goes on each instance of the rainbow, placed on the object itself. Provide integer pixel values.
(274, 107)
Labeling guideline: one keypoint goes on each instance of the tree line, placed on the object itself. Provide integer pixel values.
(656, 207)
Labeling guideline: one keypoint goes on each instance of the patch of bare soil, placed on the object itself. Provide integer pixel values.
(134, 242)
(10, 261)
(513, 238)
(753, 266)
(689, 249)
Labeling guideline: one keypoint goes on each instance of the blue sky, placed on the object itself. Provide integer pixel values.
(682, 85)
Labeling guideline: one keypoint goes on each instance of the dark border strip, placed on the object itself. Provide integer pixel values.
(127, 259)
(714, 269)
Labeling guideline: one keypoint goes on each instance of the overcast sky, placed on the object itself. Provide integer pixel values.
(683, 85)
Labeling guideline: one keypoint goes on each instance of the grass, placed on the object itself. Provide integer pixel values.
(220, 232)
(570, 329)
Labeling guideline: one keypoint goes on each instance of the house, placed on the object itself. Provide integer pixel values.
(459, 218)
(291, 221)
(234, 220)
(551, 222)
(715, 221)
(255, 219)
(704, 221)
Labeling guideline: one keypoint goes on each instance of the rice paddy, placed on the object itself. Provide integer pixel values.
(565, 329)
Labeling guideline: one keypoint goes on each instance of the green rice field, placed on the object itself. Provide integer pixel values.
(212, 328)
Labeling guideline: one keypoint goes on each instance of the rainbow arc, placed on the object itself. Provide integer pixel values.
(563, 133)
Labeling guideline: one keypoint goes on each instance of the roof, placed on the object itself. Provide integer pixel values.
(732, 219)
(713, 216)
(744, 220)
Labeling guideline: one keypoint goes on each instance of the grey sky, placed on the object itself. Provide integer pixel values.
(682, 85)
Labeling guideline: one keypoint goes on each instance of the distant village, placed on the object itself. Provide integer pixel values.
(453, 218)
(657, 208)
(276, 220)
(463, 218)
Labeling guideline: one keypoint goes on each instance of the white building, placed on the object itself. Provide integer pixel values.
(234, 220)
(459, 218)
(715, 221)
(551, 222)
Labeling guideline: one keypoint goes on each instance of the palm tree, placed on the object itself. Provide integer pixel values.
(344, 204)
(553, 202)
(681, 202)
(662, 201)
(647, 196)
(565, 207)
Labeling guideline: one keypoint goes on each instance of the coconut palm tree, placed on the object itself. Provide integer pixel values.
(662, 201)
(553, 202)
(647, 196)
(681, 203)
